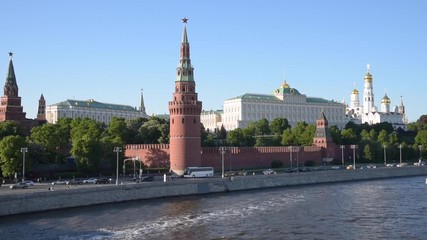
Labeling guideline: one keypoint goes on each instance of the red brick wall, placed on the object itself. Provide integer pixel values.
(157, 155)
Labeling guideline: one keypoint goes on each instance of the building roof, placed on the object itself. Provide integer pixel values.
(272, 98)
(94, 104)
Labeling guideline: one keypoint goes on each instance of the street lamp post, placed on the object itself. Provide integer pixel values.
(354, 155)
(290, 154)
(222, 150)
(297, 149)
(420, 147)
(117, 150)
(342, 154)
(23, 150)
(400, 150)
(385, 155)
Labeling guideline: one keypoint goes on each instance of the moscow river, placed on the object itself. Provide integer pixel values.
(381, 209)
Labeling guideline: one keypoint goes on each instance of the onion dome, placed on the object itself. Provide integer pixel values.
(386, 99)
(368, 76)
(285, 85)
(355, 91)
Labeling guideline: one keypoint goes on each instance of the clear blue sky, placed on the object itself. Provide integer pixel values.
(108, 50)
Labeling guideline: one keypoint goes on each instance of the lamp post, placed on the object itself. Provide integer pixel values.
(222, 150)
(400, 150)
(23, 150)
(385, 155)
(354, 155)
(117, 150)
(420, 147)
(297, 149)
(290, 154)
(342, 154)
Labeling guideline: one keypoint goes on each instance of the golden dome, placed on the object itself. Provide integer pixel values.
(386, 99)
(285, 85)
(368, 77)
(355, 91)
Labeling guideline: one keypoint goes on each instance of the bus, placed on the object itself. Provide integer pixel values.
(198, 172)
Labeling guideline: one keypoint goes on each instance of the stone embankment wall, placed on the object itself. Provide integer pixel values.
(42, 201)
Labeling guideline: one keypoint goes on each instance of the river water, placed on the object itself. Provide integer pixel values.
(380, 209)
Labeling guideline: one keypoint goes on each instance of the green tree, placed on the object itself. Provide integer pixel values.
(9, 128)
(87, 148)
(336, 135)
(288, 138)
(368, 152)
(11, 156)
(348, 136)
(54, 140)
(278, 125)
(236, 138)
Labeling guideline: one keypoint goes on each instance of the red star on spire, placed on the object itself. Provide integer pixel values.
(184, 20)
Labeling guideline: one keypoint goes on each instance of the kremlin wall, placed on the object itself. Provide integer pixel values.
(157, 155)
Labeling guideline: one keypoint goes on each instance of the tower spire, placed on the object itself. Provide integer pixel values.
(142, 106)
(185, 69)
(10, 87)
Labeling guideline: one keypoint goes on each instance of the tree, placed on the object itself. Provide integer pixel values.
(368, 152)
(54, 141)
(348, 136)
(335, 134)
(278, 125)
(10, 155)
(87, 149)
(236, 138)
(288, 138)
(9, 128)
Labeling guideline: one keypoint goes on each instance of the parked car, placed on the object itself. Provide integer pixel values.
(90, 180)
(268, 172)
(29, 183)
(75, 181)
(242, 173)
(103, 180)
(60, 182)
(229, 174)
(146, 179)
(22, 185)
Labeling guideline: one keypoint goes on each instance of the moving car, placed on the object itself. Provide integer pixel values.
(146, 179)
(60, 182)
(268, 172)
(75, 181)
(22, 185)
(104, 180)
(29, 183)
(90, 180)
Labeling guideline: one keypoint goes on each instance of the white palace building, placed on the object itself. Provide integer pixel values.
(101, 112)
(285, 102)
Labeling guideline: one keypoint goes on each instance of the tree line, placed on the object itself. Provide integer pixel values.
(91, 143)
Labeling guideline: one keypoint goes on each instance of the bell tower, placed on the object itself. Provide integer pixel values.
(184, 110)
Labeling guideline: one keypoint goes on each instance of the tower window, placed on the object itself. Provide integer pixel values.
(183, 120)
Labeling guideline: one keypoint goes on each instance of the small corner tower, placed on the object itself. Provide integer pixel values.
(184, 110)
(41, 112)
(10, 108)
(322, 137)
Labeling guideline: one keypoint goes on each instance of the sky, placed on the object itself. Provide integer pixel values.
(109, 50)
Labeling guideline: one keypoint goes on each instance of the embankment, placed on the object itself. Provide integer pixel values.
(28, 202)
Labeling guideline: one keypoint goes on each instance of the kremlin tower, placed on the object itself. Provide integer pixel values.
(185, 109)
(11, 108)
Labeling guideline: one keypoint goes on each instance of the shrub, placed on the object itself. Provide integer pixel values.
(276, 164)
